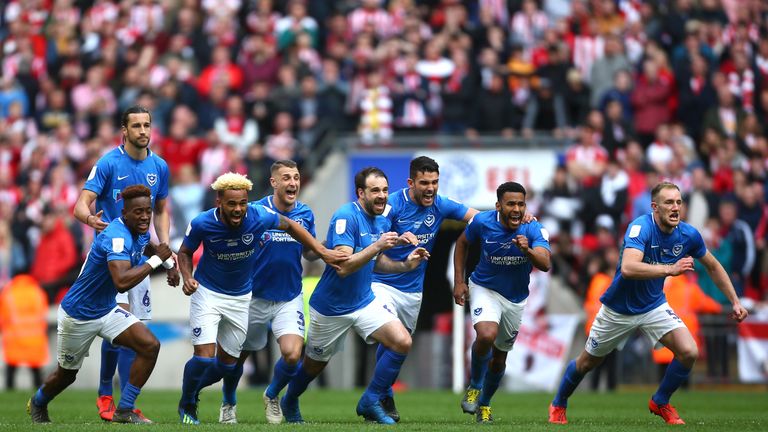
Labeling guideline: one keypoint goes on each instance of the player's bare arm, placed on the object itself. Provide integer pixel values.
(460, 288)
(185, 267)
(633, 267)
(334, 258)
(173, 278)
(126, 277)
(539, 256)
(356, 261)
(385, 264)
(83, 211)
(470, 214)
(723, 282)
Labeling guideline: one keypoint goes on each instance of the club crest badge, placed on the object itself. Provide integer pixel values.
(430, 220)
(677, 249)
(247, 238)
(151, 179)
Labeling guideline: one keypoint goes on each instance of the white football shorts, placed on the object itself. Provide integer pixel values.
(74, 336)
(286, 317)
(139, 300)
(488, 305)
(405, 305)
(326, 333)
(611, 329)
(222, 318)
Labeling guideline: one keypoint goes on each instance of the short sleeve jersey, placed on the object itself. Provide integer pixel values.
(116, 170)
(335, 295)
(503, 267)
(93, 294)
(277, 272)
(229, 254)
(634, 296)
(424, 222)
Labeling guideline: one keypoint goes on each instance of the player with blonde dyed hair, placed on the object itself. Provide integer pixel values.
(231, 181)
(221, 287)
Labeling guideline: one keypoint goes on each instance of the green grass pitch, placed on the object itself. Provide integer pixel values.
(332, 410)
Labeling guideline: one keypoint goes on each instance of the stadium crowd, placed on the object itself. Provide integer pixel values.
(641, 91)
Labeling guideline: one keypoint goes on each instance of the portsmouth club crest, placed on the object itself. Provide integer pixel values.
(151, 179)
(677, 249)
(430, 220)
(247, 238)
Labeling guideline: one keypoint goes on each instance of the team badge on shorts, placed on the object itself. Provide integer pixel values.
(69, 358)
(478, 311)
(247, 238)
(318, 350)
(196, 331)
(593, 343)
(151, 179)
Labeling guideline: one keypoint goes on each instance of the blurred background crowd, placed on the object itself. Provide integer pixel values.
(637, 91)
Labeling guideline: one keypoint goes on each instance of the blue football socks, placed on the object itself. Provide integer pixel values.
(571, 380)
(193, 374)
(281, 376)
(109, 358)
(674, 377)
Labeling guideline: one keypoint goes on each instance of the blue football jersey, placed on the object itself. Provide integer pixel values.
(116, 170)
(350, 226)
(424, 222)
(229, 254)
(277, 274)
(93, 294)
(633, 296)
(503, 267)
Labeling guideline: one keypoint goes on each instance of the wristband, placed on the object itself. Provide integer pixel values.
(155, 261)
(169, 263)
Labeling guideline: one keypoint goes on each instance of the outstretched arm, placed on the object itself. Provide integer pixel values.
(723, 282)
(332, 257)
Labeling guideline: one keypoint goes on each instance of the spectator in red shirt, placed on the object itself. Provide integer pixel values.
(221, 70)
(649, 102)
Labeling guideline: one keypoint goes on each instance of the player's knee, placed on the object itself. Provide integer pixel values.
(292, 357)
(688, 354)
(151, 347)
(486, 336)
(402, 343)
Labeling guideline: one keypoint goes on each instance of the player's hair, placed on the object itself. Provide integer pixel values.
(364, 173)
(282, 163)
(659, 187)
(423, 164)
(135, 191)
(231, 181)
(509, 187)
(136, 109)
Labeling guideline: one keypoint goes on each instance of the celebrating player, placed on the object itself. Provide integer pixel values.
(343, 298)
(656, 245)
(277, 302)
(420, 210)
(131, 163)
(498, 288)
(221, 286)
(114, 264)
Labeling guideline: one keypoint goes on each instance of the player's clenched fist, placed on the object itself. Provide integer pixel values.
(163, 251)
(681, 266)
(387, 241)
(190, 286)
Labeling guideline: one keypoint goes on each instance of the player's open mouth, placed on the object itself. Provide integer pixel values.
(515, 218)
(428, 198)
(290, 193)
(143, 226)
(674, 217)
(237, 219)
